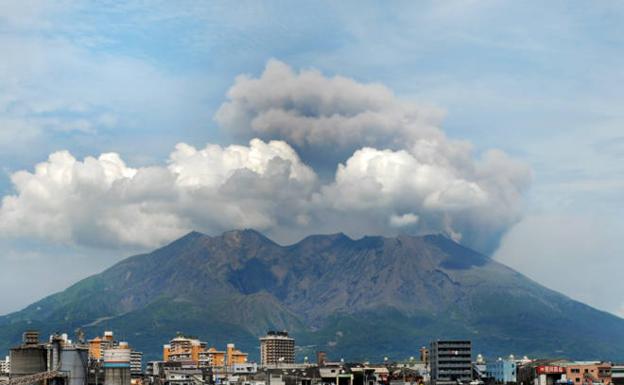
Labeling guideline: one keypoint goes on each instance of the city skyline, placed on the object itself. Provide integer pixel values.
(59, 360)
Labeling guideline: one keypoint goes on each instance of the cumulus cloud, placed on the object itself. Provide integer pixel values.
(101, 201)
(472, 202)
(402, 174)
(214, 165)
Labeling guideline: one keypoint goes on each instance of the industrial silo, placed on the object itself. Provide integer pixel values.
(117, 365)
(74, 362)
(28, 358)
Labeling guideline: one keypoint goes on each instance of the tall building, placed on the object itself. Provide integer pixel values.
(321, 357)
(183, 349)
(424, 355)
(101, 344)
(451, 362)
(5, 366)
(277, 348)
(136, 364)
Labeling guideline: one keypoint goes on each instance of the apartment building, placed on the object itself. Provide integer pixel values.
(277, 348)
(451, 362)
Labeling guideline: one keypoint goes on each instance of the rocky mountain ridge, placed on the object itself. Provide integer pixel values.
(359, 299)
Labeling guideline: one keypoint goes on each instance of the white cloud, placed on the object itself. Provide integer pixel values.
(374, 178)
(473, 201)
(101, 200)
(214, 165)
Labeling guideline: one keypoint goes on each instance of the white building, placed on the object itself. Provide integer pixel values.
(5, 365)
(136, 363)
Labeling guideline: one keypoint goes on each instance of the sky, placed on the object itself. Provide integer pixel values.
(498, 124)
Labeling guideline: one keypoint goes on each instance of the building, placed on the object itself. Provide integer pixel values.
(187, 373)
(617, 374)
(451, 362)
(98, 368)
(235, 356)
(73, 360)
(116, 363)
(192, 351)
(57, 361)
(321, 357)
(480, 367)
(294, 376)
(424, 355)
(183, 349)
(30, 358)
(336, 376)
(136, 364)
(98, 344)
(5, 366)
(277, 348)
(212, 358)
(587, 372)
(503, 370)
(540, 372)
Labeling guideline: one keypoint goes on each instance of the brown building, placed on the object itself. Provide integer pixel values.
(235, 356)
(277, 348)
(588, 372)
(99, 344)
(214, 357)
(321, 357)
(424, 355)
(195, 352)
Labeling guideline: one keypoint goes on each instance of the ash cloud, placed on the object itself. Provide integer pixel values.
(323, 116)
(394, 170)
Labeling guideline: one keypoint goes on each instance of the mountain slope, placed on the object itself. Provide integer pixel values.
(365, 298)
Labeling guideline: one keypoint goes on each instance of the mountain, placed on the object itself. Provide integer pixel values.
(358, 299)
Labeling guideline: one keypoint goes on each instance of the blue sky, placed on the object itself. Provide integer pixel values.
(540, 81)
